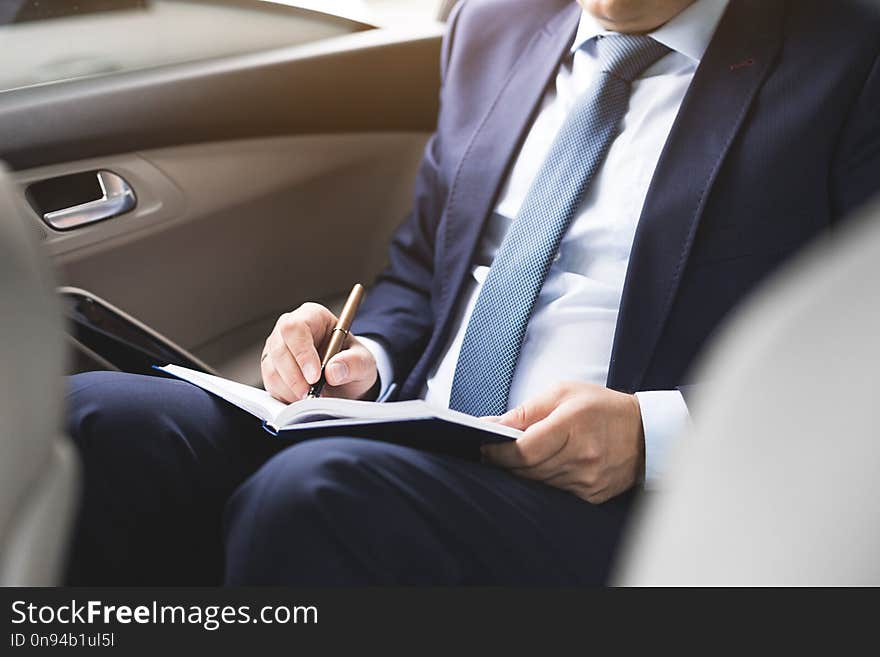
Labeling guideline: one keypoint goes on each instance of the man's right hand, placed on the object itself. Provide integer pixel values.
(291, 362)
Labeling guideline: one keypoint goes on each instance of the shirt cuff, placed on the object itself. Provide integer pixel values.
(383, 364)
(665, 417)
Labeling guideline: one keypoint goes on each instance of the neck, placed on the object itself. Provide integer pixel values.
(634, 16)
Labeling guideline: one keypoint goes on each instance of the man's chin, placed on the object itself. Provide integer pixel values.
(625, 25)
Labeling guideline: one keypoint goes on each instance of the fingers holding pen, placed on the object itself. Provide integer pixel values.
(291, 364)
(273, 382)
(302, 331)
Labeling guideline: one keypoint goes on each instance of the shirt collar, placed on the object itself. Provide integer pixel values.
(689, 33)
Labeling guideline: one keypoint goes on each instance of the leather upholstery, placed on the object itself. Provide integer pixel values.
(778, 483)
(38, 466)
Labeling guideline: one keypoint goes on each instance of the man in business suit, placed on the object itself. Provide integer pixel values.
(607, 180)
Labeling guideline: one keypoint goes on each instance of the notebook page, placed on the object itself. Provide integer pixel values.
(253, 400)
(328, 412)
(326, 408)
(477, 423)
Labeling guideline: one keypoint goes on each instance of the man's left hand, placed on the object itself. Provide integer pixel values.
(580, 437)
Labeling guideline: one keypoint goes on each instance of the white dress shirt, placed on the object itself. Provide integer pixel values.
(571, 331)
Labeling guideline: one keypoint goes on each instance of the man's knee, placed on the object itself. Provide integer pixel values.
(113, 410)
(155, 466)
(323, 475)
(98, 407)
(303, 517)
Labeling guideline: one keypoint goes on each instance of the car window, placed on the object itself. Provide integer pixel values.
(385, 13)
(46, 41)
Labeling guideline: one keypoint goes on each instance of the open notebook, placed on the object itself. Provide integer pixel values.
(409, 422)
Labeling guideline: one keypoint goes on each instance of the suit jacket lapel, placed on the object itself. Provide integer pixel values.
(727, 81)
(493, 145)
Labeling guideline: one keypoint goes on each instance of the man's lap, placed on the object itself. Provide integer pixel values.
(349, 511)
(160, 457)
(163, 457)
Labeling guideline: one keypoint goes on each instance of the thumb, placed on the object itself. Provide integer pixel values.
(529, 412)
(350, 365)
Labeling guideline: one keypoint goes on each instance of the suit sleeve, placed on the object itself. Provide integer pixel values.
(397, 311)
(856, 169)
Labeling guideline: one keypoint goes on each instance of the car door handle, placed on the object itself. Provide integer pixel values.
(117, 197)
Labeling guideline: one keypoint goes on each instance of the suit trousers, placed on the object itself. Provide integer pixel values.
(181, 488)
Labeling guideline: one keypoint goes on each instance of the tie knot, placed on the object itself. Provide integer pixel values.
(627, 56)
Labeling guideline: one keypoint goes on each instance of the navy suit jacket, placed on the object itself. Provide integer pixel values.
(777, 139)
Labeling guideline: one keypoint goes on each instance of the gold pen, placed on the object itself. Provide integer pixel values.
(339, 334)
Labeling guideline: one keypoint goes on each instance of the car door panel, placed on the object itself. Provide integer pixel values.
(260, 227)
(369, 81)
(262, 180)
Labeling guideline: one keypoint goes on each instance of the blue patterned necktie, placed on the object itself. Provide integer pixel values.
(495, 332)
